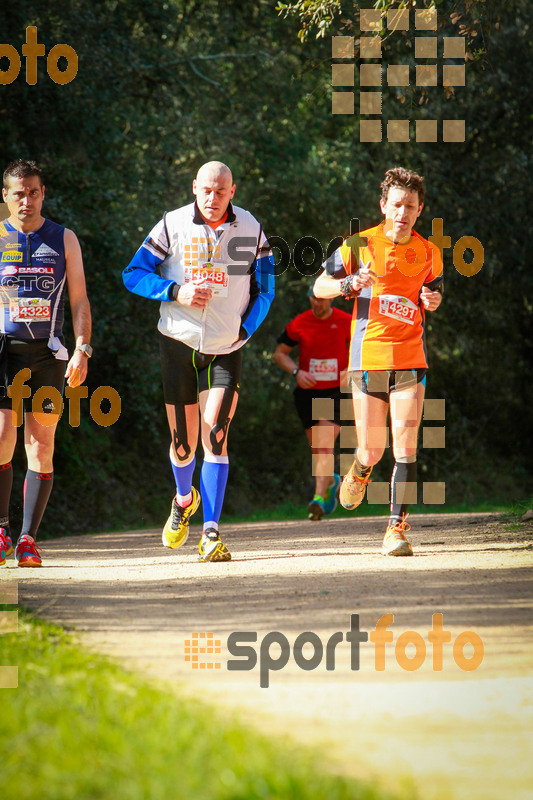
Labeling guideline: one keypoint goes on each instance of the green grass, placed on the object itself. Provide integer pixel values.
(288, 510)
(291, 511)
(79, 727)
(514, 512)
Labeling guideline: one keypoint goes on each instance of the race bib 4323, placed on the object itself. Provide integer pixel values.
(29, 309)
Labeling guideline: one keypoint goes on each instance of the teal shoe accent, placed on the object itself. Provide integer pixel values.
(331, 501)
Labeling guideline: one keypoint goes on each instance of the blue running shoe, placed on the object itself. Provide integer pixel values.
(331, 498)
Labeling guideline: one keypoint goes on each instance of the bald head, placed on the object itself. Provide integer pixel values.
(213, 188)
(216, 170)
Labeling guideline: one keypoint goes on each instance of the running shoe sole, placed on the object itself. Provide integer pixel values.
(219, 553)
(402, 548)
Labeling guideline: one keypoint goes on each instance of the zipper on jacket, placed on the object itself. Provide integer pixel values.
(214, 241)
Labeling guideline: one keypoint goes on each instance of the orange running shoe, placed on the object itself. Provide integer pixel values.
(353, 488)
(395, 543)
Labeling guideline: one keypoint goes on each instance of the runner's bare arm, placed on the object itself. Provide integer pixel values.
(431, 300)
(282, 358)
(81, 310)
(326, 286)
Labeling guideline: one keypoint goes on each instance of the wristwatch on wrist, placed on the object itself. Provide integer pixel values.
(295, 371)
(86, 349)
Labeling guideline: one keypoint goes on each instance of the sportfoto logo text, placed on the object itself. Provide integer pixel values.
(275, 649)
(49, 398)
(438, 59)
(32, 50)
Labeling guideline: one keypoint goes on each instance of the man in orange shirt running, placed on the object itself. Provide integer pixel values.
(395, 280)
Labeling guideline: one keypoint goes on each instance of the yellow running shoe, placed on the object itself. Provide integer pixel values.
(211, 548)
(353, 489)
(395, 543)
(176, 530)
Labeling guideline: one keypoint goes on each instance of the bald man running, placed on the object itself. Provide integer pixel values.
(211, 267)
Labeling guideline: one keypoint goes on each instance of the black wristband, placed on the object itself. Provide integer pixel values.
(173, 293)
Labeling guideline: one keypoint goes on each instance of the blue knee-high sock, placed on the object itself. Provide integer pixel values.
(213, 479)
(183, 475)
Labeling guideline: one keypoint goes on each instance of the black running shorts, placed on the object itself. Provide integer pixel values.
(187, 372)
(46, 370)
(381, 382)
(303, 400)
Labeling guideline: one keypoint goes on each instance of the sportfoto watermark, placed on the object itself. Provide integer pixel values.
(430, 52)
(32, 50)
(49, 394)
(378, 492)
(275, 649)
(308, 255)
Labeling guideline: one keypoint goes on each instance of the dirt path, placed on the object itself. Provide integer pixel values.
(452, 733)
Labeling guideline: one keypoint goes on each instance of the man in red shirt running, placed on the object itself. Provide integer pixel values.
(322, 334)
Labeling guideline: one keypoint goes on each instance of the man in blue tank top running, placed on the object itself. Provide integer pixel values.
(38, 260)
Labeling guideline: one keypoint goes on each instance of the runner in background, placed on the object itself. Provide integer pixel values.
(396, 277)
(322, 335)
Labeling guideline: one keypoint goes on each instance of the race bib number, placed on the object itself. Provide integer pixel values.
(324, 369)
(399, 308)
(215, 275)
(29, 309)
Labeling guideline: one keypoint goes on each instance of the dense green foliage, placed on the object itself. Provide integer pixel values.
(164, 87)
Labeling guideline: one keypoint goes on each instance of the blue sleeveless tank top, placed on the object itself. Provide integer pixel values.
(32, 281)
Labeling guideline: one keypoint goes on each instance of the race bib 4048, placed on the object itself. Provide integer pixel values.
(216, 276)
(28, 309)
(398, 308)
